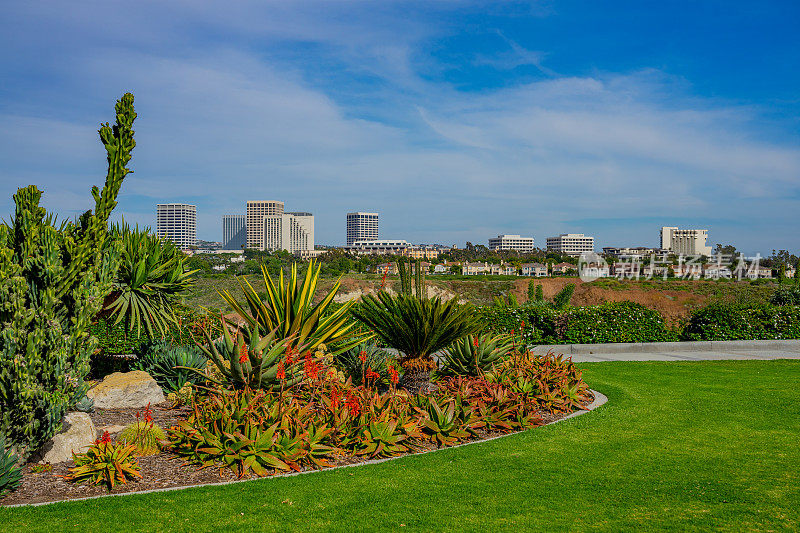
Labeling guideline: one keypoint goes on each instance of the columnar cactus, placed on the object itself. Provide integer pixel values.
(53, 278)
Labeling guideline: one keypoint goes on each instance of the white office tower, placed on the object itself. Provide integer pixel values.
(361, 227)
(571, 244)
(256, 211)
(293, 232)
(177, 223)
(511, 242)
(685, 241)
(234, 232)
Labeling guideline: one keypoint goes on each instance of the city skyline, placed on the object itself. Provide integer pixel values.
(543, 118)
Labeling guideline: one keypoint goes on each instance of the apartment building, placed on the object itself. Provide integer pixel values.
(234, 232)
(177, 223)
(511, 242)
(636, 253)
(293, 232)
(422, 252)
(573, 244)
(256, 211)
(474, 269)
(685, 241)
(361, 226)
(379, 247)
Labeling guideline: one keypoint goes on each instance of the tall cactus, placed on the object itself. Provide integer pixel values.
(53, 278)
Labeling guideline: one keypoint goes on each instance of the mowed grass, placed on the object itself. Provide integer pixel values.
(680, 446)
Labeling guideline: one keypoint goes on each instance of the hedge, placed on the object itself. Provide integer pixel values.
(721, 322)
(612, 322)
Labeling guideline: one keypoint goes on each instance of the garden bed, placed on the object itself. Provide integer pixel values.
(168, 471)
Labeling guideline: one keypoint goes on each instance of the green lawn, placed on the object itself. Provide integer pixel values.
(712, 445)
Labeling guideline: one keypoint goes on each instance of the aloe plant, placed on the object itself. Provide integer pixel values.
(472, 356)
(288, 311)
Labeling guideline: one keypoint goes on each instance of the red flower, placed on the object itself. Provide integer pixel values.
(362, 355)
(522, 326)
(393, 377)
(475, 342)
(336, 396)
(106, 438)
(242, 353)
(310, 368)
(281, 375)
(371, 375)
(353, 405)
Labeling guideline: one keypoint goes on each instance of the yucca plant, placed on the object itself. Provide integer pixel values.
(248, 360)
(105, 463)
(150, 279)
(472, 356)
(417, 327)
(10, 471)
(288, 310)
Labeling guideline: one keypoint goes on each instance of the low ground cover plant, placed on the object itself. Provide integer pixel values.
(105, 463)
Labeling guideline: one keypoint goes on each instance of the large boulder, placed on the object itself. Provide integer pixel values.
(77, 435)
(126, 389)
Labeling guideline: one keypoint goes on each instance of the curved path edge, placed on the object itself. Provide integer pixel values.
(599, 399)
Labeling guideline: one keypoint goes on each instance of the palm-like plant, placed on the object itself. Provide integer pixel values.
(417, 327)
(150, 279)
(289, 311)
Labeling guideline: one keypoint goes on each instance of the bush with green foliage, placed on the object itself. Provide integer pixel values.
(562, 299)
(53, 279)
(10, 471)
(532, 323)
(612, 322)
(785, 296)
(170, 365)
(723, 321)
(474, 355)
(151, 277)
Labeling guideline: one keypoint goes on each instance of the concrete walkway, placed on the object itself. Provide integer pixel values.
(677, 351)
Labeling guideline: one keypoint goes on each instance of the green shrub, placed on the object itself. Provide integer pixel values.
(722, 321)
(53, 279)
(562, 299)
(786, 296)
(169, 365)
(532, 323)
(612, 322)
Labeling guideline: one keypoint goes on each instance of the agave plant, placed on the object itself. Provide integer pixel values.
(288, 311)
(416, 327)
(248, 360)
(170, 365)
(151, 276)
(472, 356)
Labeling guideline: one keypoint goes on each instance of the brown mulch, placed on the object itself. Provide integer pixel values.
(160, 471)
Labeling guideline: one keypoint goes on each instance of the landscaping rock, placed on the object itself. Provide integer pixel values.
(78, 434)
(126, 389)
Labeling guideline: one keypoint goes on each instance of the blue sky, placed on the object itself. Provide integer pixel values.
(457, 121)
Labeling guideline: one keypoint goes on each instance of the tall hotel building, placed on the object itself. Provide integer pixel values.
(685, 241)
(256, 211)
(293, 232)
(361, 227)
(571, 244)
(234, 232)
(177, 223)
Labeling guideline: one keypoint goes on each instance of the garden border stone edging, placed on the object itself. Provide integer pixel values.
(599, 400)
(684, 346)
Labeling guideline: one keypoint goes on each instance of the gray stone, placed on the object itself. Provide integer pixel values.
(129, 389)
(77, 435)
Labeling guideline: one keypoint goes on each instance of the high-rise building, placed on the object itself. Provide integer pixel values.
(256, 211)
(511, 242)
(293, 232)
(685, 241)
(177, 223)
(570, 244)
(361, 227)
(234, 232)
